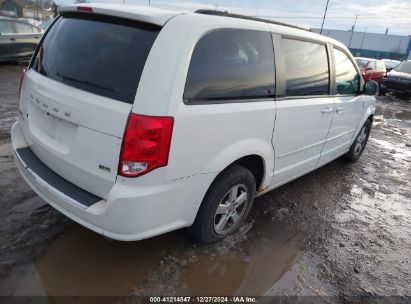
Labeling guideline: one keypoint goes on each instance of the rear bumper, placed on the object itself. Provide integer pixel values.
(135, 209)
(52, 182)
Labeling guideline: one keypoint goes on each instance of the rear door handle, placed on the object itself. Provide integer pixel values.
(339, 110)
(327, 110)
(13, 39)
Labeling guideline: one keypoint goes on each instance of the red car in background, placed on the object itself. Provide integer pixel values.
(373, 69)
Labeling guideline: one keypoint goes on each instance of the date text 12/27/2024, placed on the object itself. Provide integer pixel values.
(237, 299)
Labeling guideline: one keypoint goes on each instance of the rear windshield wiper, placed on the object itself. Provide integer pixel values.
(84, 82)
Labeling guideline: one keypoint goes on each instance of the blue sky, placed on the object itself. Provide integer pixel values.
(373, 15)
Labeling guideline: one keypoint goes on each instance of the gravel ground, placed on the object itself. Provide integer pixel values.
(341, 233)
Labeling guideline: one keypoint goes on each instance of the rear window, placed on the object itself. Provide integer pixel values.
(361, 62)
(98, 54)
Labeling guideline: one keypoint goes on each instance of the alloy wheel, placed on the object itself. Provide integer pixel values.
(361, 140)
(231, 209)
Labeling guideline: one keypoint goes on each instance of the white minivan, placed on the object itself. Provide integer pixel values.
(136, 121)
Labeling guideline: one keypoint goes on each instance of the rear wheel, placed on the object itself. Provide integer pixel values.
(358, 146)
(225, 206)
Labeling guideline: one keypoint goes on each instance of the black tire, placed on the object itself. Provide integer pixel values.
(382, 92)
(205, 228)
(360, 142)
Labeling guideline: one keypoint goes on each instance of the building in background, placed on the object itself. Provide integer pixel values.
(26, 9)
(36, 10)
(12, 8)
(378, 46)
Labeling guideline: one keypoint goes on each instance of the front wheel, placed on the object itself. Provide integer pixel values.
(225, 206)
(358, 146)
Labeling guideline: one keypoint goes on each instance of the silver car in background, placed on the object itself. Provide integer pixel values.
(18, 39)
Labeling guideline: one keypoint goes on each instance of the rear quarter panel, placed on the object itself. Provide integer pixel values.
(369, 110)
(206, 138)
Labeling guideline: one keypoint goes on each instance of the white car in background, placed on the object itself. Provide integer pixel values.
(149, 120)
(18, 39)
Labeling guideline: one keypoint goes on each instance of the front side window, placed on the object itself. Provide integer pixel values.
(306, 68)
(231, 64)
(5, 27)
(347, 78)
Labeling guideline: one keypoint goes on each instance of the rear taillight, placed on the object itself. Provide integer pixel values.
(146, 144)
(23, 73)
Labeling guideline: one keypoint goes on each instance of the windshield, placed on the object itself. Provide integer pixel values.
(391, 63)
(361, 62)
(99, 54)
(404, 67)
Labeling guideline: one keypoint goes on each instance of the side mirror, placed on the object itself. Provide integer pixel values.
(370, 87)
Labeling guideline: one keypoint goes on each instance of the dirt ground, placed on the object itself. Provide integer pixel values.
(341, 233)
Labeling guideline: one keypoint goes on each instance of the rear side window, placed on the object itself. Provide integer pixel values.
(99, 54)
(231, 64)
(347, 78)
(306, 68)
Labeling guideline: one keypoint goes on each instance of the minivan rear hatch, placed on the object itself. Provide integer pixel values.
(78, 93)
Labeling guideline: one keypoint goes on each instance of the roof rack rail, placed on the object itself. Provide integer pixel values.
(227, 14)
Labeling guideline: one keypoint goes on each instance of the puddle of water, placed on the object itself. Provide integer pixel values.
(394, 109)
(387, 211)
(398, 123)
(374, 231)
(82, 263)
(401, 114)
(391, 115)
(302, 279)
(398, 151)
(25, 281)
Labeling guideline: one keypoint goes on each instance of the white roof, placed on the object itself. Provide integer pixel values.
(160, 16)
(141, 13)
(366, 58)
